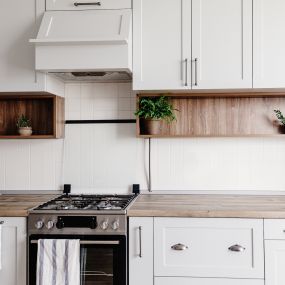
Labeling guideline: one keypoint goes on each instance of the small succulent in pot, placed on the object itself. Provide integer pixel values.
(24, 126)
(151, 111)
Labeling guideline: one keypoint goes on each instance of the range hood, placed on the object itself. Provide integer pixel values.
(90, 45)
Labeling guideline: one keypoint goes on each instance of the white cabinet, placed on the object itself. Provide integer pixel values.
(230, 248)
(205, 281)
(13, 251)
(20, 22)
(274, 262)
(199, 44)
(268, 44)
(141, 251)
(157, 45)
(17, 64)
(87, 4)
(222, 44)
(274, 233)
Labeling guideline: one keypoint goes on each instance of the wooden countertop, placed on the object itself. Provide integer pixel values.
(208, 206)
(18, 205)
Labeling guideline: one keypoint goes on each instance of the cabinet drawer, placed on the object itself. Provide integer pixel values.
(100, 4)
(205, 281)
(206, 251)
(274, 229)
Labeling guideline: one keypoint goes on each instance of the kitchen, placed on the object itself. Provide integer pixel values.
(200, 202)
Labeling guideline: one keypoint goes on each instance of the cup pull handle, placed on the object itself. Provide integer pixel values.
(237, 248)
(179, 246)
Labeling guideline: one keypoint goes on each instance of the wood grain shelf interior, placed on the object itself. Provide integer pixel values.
(222, 116)
(46, 112)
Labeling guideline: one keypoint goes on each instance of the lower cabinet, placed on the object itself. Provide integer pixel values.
(141, 251)
(275, 262)
(274, 231)
(219, 248)
(190, 251)
(13, 251)
(205, 281)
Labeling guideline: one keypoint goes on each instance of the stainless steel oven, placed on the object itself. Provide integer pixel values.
(102, 258)
(98, 221)
(103, 251)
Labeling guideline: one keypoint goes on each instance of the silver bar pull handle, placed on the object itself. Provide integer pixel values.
(76, 4)
(140, 241)
(179, 246)
(196, 71)
(186, 72)
(91, 242)
(237, 248)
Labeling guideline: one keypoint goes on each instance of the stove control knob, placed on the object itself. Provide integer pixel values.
(39, 224)
(115, 225)
(104, 225)
(50, 225)
(60, 224)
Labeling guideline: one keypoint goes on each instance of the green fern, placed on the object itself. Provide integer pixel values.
(156, 108)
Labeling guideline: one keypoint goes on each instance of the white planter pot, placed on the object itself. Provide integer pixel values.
(25, 131)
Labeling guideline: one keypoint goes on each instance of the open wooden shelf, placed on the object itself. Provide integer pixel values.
(221, 116)
(224, 93)
(45, 110)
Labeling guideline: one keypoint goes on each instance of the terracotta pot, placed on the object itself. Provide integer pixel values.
(150, 126)
(27, 131)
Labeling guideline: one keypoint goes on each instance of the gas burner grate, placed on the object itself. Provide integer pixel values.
(88, 202)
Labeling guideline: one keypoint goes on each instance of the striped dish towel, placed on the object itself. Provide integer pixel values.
(58, 262)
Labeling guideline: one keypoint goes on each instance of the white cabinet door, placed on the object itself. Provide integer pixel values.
(19, 21)
(158, 60)
(13, 251)
(268, 44)
(274, 262)
(231, 248)
(222, 44)
(205, 281)
(141, 251)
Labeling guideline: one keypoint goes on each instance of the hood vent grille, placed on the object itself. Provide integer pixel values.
(94, 76)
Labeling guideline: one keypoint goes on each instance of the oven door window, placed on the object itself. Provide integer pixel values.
(102, 260)
(98, 265)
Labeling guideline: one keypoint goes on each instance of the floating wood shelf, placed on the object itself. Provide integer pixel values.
(45, 110)
(222, 116)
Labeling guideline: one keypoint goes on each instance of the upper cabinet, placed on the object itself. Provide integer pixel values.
(268, 44)
(198, 44)
(87, 4)
(221, 44)
(20, 21)
(157, 45)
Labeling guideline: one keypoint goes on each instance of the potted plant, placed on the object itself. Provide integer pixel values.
(24, 126)
(151, 111)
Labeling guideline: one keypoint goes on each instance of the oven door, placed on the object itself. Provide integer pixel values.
(102, 258)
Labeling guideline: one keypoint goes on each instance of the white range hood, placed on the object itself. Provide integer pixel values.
(91, 41)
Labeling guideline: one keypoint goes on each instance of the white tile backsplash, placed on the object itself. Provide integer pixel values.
(218, 164)
(109, 157)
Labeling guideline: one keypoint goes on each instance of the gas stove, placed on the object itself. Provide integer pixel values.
(74, 203)
(99, 222)
(87, 214)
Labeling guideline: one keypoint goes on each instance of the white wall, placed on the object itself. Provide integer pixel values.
(109, 158)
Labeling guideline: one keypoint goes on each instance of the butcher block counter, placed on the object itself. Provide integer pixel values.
(18, 205)
(208, 206)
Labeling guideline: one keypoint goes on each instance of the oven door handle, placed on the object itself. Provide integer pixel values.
(83, 242)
